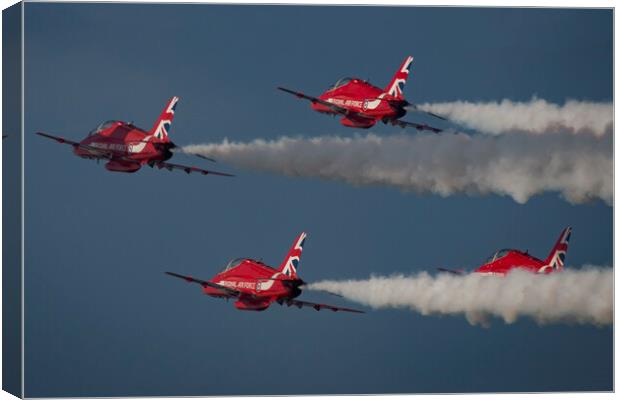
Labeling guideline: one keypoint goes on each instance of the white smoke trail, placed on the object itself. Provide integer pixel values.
(574, 296)
(580, 167)
(536, 116)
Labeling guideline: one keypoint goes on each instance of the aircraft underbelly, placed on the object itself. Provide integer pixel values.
(251, 305)
(122, 166)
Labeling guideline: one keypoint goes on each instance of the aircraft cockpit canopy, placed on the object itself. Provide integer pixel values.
(103, 126)
(238, 261)
(340, 83)
(233, 263)
(497, 255)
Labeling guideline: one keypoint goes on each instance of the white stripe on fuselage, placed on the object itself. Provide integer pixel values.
(365, 105)
(371, 105)
(258, 286)
(127, 148)
(345, 103)
(238, 284)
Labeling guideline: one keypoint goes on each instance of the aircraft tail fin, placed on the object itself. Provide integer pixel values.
(162, 126)
(557, 255)
(291, 262)
(395, 88)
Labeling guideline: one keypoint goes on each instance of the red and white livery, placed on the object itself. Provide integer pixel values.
(362, 104)
(503, 261)
(127, 148)
(255, 286)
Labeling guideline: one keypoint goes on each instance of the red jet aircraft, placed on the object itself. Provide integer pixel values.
(362, 105)
(127, 147)
(255, 285)
(505, 260)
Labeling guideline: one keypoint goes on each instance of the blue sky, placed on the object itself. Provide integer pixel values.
(101, 317)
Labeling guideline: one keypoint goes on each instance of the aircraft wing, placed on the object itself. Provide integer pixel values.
(451, 271)
(420, 127)
(58, 139)
(189, 170)
(319, 307)
(333, 107)
(94, 150)
(227, 290)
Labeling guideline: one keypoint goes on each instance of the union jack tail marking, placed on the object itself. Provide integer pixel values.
(395, 88)
(556, 258)
(161, 128)
(291, 262)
